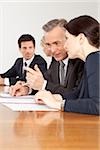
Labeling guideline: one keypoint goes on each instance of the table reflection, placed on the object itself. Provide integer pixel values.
(34, 123)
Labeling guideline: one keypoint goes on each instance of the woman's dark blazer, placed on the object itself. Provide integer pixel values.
(86, 98)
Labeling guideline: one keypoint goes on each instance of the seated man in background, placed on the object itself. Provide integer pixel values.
(16, 73)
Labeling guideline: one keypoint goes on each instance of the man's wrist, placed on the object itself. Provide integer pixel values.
(62, 105)
(6, 81)
(44, 85)
(29, 90)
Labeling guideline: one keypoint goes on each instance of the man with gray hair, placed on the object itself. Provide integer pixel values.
(63, 74)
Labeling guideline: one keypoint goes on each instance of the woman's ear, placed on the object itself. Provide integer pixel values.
(81, 38)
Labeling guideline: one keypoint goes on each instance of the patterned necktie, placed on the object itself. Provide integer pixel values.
(62, 73)
(25, 64)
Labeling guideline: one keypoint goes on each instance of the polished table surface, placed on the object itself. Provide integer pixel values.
(48, 130)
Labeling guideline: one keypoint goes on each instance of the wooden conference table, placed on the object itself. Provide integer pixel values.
(48, 131)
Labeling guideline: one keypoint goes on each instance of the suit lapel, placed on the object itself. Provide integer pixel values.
(68, 72)
(33, 62)
(21, 67)
(57, 73)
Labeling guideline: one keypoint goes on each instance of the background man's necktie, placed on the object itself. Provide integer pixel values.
(25, 64)
(62, 73)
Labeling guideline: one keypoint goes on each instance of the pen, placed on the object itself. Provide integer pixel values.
(23, 83)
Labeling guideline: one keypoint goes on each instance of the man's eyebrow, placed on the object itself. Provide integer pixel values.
(24, 47)
(47, 43)
(52, 42)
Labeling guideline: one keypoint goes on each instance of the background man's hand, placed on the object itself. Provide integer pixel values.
(18, 89)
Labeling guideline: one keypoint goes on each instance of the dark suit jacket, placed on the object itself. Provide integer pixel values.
(73, 76)
(15, 73)
(86, 98)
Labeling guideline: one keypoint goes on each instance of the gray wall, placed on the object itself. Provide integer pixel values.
(17, 18)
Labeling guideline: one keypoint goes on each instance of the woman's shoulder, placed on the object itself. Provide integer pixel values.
(92, 62)
(93, 55)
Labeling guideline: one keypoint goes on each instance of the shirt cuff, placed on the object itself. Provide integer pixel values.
(6, 81)
(44, 85)
(62, 105)
(30, 90)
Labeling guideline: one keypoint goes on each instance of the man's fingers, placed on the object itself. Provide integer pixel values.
(12, 91)
(33, 71)
(39, 101)
(37, 68)
(28, 69)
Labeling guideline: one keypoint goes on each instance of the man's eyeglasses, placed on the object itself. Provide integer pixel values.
(55, 44)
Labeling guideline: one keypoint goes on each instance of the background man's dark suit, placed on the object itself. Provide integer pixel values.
(73, 76)
(15, 73)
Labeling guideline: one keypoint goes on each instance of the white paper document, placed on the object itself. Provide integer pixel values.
(22, 103)
(7, 95)
(28, 107)
(6, 98)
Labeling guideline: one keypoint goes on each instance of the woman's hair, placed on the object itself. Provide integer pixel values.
(86, 25)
